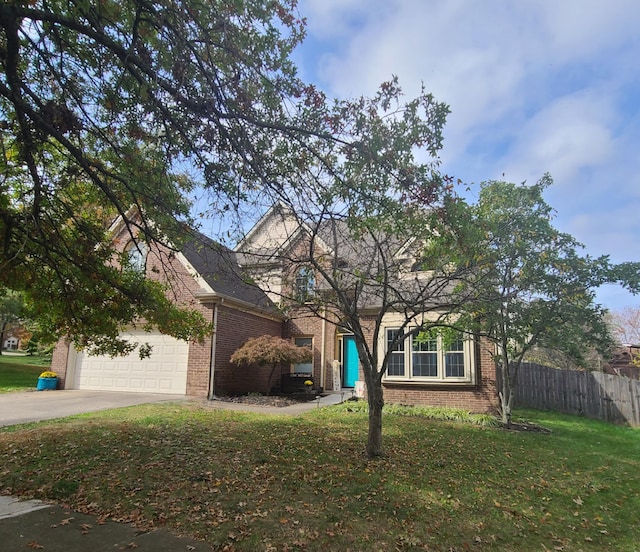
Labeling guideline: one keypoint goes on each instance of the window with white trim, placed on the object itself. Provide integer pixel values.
(303, 367)
(304, 284)
(137, 255)
(434, 359)
(396, 363)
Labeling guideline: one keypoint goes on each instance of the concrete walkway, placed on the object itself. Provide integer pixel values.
(34, 525)
(33, 406)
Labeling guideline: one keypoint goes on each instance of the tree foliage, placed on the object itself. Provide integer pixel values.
(268, 350)
(119, 103)
(530, 285)
(352, 222)
(128, 102)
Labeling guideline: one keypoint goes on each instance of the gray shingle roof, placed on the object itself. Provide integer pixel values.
(218, 266)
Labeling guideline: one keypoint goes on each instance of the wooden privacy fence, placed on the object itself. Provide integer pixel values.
(591, 394)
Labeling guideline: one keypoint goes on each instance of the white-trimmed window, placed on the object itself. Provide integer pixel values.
(137, 255)
(305, 283)
(432, 360)
(303, 367)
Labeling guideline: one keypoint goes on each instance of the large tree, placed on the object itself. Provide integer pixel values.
(530, 284)
(119, 103)
(359, 228)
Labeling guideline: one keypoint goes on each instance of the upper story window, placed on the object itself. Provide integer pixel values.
(433, 360)
(304, 284)
(137, 255)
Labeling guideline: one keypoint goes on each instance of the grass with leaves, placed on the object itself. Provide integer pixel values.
(246, 481)
(20, 372)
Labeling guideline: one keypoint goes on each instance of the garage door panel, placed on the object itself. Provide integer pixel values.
(165, 371)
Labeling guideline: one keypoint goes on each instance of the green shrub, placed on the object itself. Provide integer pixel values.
(431, 412)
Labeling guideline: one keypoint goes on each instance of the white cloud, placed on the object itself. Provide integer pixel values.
(534, 86)
(566, 136)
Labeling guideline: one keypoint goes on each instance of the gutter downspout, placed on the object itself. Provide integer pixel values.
(324, 345)
(212, 368)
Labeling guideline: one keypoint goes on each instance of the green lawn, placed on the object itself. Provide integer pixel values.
(20, 373)
(245, 481)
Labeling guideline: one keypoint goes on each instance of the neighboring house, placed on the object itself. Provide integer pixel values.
(15, 336)
(622, 362)
(215, 280)
(11, 343)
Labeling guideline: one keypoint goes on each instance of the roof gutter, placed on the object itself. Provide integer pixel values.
(215, 297)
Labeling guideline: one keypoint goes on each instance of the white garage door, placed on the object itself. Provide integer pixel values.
(165, 371)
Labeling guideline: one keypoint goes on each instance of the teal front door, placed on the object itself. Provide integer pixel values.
(350, 362)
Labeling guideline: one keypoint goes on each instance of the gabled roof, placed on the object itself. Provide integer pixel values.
(217, 265)
(274, 233)
(280, 227)
(354, 253)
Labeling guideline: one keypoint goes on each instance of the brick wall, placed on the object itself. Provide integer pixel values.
(305, 324)
(59, 362)
(233, 329)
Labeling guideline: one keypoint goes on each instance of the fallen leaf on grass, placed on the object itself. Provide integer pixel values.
(35, 545)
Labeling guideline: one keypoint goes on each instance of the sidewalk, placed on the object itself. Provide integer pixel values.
(293, 410)
(33, 525)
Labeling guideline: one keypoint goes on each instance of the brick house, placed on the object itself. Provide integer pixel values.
(622, 360)
(460, 375)
(242, 299)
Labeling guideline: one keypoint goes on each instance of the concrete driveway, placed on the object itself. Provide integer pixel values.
(33, 406)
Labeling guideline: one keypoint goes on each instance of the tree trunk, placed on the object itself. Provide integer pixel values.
(505, 395)
(376, 402)
(273, 369)
(4, 327)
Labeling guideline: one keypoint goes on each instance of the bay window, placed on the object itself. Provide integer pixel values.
(429, 360)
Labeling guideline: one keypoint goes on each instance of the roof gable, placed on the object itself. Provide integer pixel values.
(277, 231)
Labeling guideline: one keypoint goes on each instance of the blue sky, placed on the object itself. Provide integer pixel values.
(534, 86)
